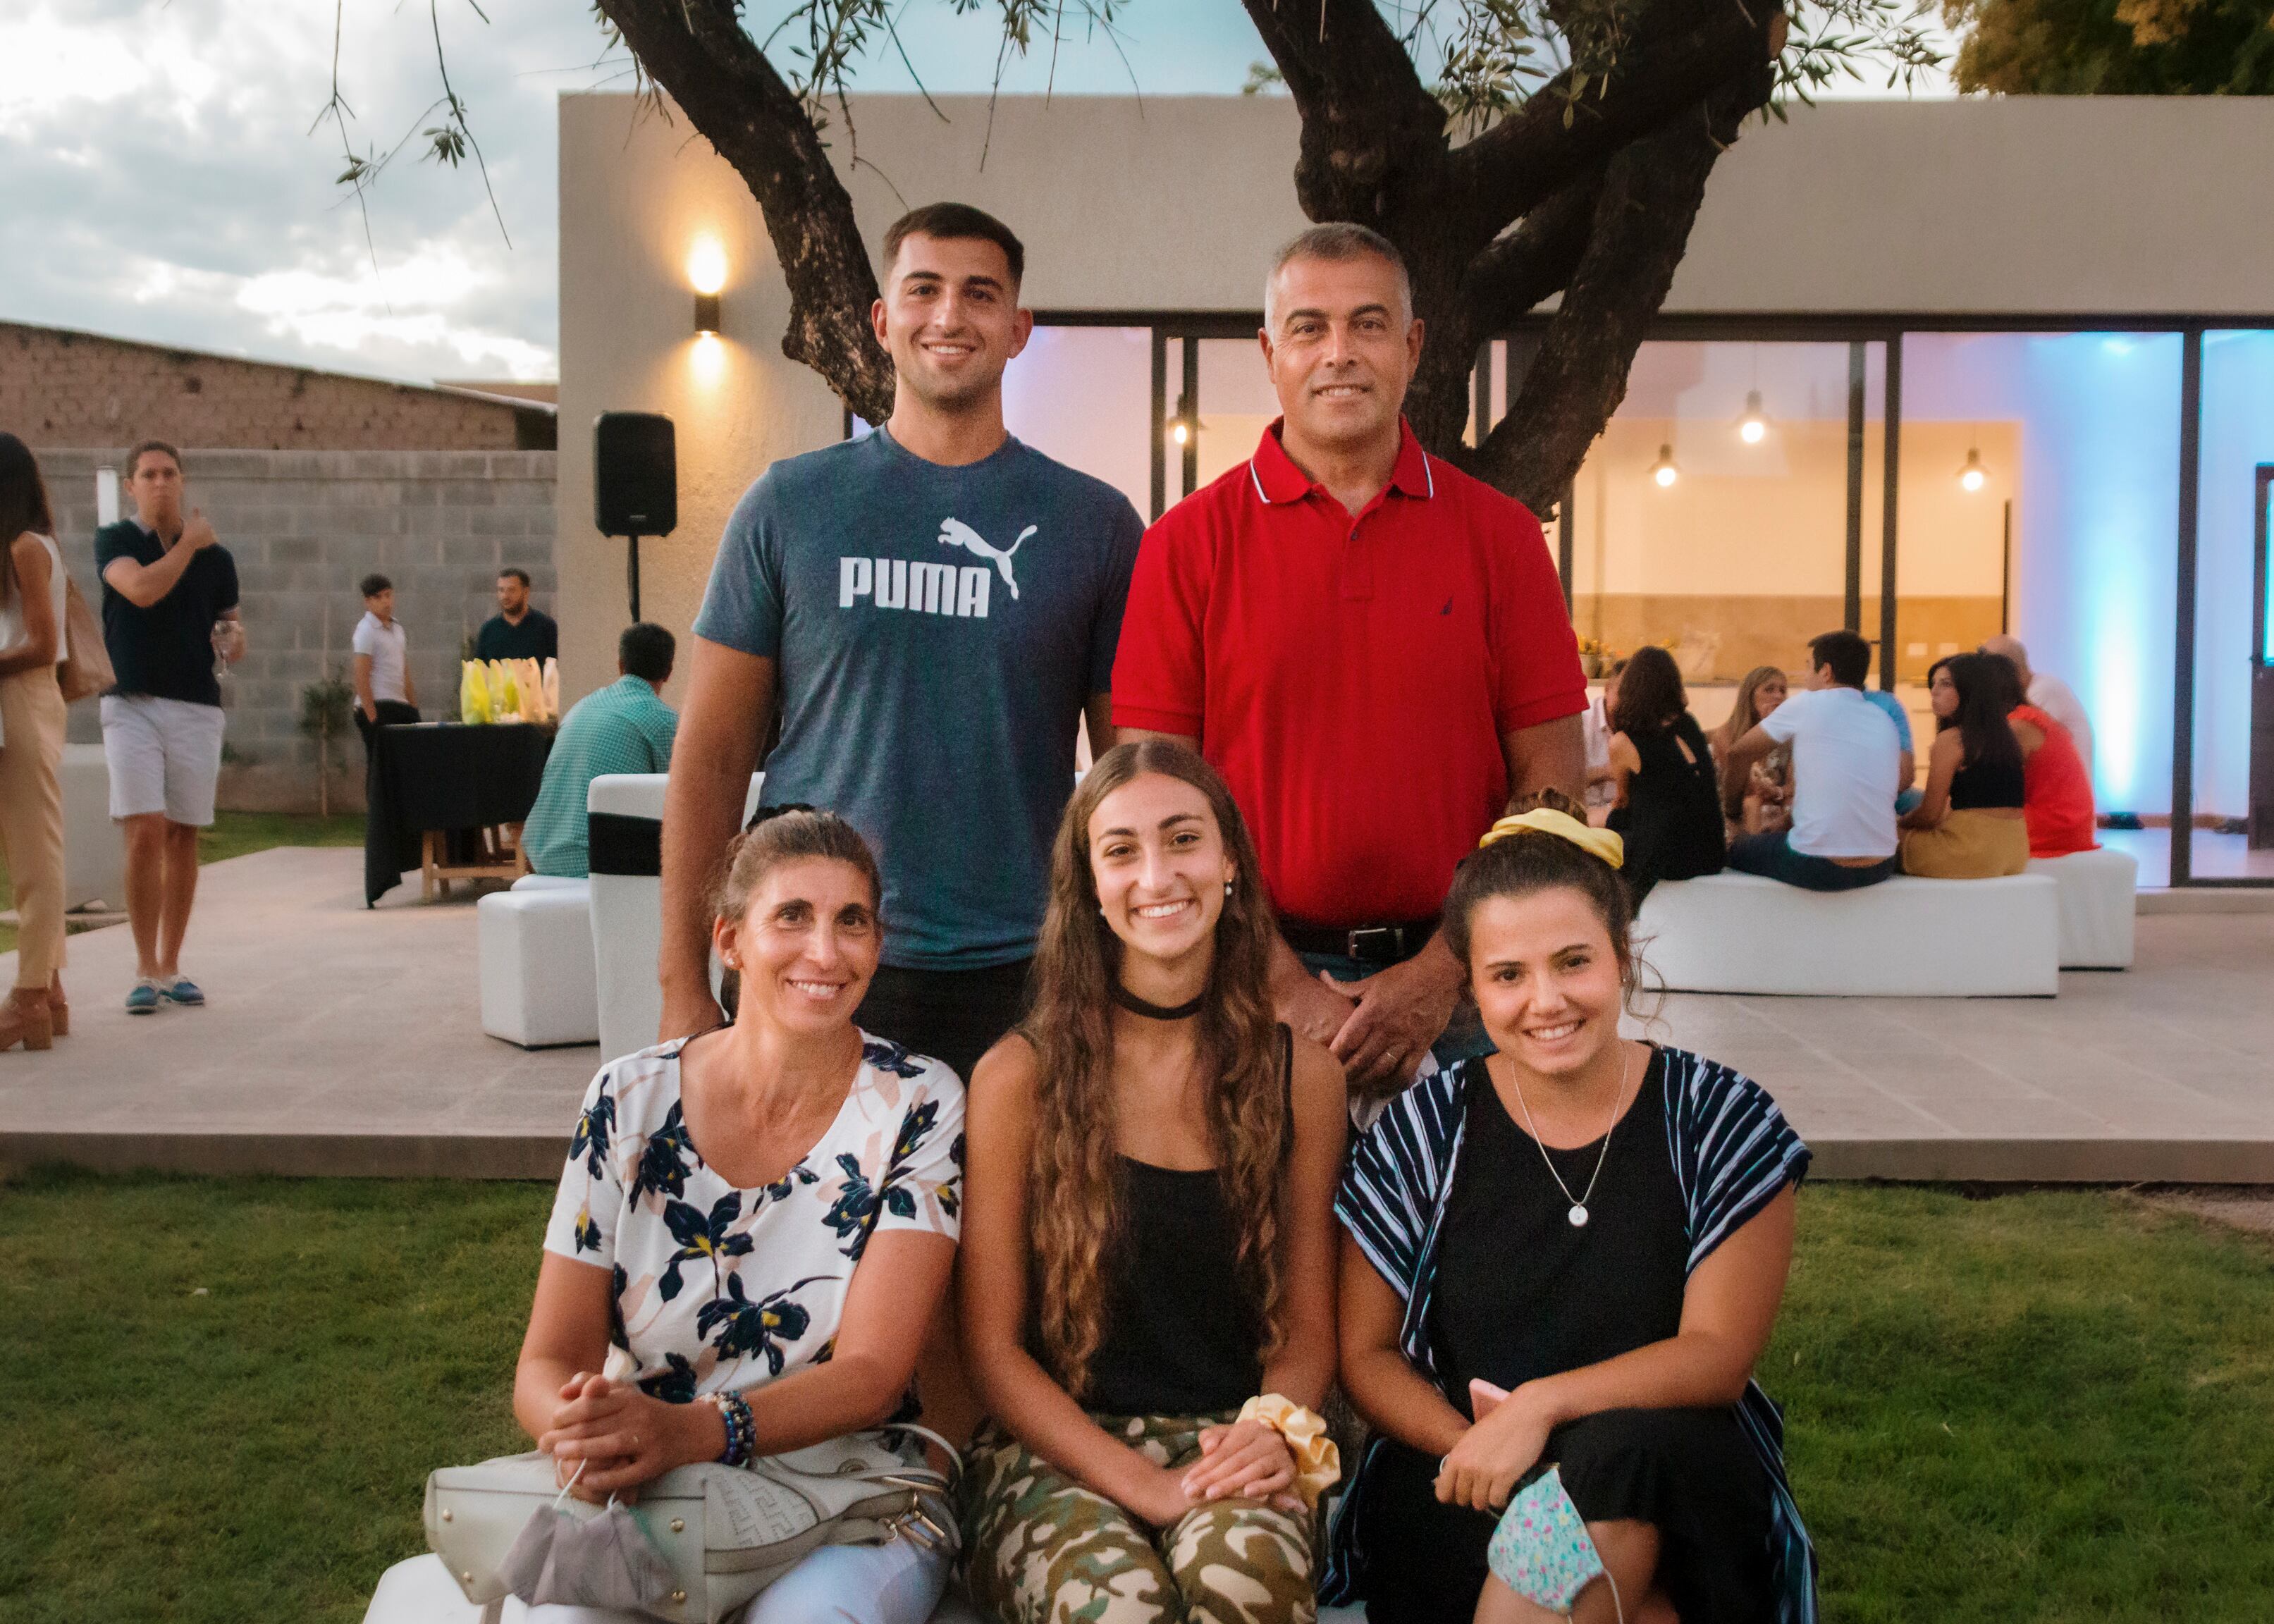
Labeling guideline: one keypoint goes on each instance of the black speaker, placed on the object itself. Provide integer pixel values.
(635, 474)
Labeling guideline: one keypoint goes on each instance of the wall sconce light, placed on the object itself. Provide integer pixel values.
(706, 271)
(1973, 477)
(1754, 427)
(1663, 470)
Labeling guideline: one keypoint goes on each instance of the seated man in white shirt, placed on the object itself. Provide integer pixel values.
(383, 690)
(2049, 693)
(1847, 764)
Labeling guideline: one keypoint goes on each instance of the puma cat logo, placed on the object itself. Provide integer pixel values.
(956, 533)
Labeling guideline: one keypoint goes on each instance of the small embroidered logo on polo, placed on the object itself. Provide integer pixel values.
(956, 533)
(1447, 609)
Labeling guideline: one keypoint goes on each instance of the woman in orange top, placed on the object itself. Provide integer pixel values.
(2056, 787)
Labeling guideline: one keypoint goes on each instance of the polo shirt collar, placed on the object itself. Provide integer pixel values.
(1277, 480)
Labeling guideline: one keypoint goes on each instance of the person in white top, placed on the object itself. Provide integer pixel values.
(2049, 693)
(384, 693)
(31, 586)
(1847, 765)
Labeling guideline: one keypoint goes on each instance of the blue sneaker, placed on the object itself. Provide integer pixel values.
(181, 989)
(142, 998)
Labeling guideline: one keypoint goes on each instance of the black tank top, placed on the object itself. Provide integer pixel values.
(1979, 787)
(1184, 1325)
(1672, 820)
(1520, 1293)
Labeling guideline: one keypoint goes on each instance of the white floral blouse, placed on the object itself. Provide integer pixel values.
(720, 1288)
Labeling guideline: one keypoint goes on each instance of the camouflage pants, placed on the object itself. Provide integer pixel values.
(1045, 1550)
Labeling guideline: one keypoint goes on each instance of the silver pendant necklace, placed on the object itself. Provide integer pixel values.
(1579, 1213)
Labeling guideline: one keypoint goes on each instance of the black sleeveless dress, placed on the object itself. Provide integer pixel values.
(1672, 821)
(1520, 1293)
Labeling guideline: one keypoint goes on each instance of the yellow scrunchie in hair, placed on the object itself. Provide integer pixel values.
(1547, 821)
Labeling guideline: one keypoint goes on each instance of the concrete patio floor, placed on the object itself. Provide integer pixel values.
(348, 1041)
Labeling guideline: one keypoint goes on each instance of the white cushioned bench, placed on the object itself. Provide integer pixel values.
(2099, 896)
(627, 908)
(1901, 938)
(535, 952)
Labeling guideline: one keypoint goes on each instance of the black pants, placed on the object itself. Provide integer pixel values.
(1689, 1473)
(391, 712)
(952, 1015)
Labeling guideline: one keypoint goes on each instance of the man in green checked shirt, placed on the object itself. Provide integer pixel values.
(624, 728)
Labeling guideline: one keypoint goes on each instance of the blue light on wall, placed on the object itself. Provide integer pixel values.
(2238, 435)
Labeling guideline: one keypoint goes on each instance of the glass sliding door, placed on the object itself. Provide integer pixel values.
(2229, 773)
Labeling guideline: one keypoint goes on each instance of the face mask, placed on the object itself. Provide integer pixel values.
(1541, 1549)
(600, 1561)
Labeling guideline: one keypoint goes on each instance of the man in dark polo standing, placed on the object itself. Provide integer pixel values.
(1371, 646)
(518, 631)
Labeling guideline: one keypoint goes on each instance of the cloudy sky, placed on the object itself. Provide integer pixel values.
(160, 181)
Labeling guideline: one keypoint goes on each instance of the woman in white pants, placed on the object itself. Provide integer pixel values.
(762, 1218)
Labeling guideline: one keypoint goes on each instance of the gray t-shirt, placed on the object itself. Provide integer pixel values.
(938, 631)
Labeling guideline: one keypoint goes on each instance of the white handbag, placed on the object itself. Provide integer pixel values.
(725, 1532)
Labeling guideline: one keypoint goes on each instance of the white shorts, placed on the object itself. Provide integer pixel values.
(164, 756)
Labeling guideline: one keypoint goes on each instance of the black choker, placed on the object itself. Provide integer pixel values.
(1136, 1005)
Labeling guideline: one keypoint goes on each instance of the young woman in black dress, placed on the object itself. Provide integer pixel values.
(1667, 807)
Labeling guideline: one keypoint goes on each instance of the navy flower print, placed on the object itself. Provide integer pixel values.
(702, 1236)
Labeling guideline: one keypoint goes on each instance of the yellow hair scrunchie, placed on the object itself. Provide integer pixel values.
(1318, 1463)
(1547, 821)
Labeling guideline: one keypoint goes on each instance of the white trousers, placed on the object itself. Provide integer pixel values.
(897, 1582)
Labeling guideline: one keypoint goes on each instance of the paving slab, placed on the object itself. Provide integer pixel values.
(345, 1040)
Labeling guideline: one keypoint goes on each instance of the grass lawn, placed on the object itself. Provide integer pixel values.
(222, 1396)
(233, 834)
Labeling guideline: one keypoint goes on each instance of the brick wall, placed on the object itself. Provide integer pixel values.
(304, 527)
(63, 388)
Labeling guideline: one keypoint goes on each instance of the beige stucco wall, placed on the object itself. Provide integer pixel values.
(2043, 206)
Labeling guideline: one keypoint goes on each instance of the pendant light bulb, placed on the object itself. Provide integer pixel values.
(1663, 470)
(1181, 434)
(1973, 477)
(1754, 427)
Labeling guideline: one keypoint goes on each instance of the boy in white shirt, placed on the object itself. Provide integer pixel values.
(1846, 767)
(383, 689)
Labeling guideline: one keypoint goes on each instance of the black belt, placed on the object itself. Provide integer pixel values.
(1382, 945)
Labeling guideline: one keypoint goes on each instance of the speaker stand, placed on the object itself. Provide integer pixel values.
(631, 576)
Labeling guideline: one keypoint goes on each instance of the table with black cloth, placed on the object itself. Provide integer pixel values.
(444, 775)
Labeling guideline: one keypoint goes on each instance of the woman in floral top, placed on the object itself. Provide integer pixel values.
(766, 1212)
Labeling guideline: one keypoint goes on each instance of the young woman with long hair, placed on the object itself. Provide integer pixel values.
(32, 715)
(1759, 800)
(2057, 804)
(1669, 808)
(1969, 824)
(1560, 1264)
(1148, 1277)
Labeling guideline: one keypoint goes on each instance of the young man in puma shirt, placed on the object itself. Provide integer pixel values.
(931, 609)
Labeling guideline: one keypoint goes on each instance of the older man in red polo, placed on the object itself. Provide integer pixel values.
(1371, 646)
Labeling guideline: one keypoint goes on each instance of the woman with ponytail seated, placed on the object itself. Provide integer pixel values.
(1148, 1286)
(1560, 1264)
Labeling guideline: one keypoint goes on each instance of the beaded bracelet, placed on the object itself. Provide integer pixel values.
(742, 1428)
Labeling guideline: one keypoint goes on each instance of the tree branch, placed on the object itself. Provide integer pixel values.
(1536, 259)
(1371, 130)
(1649, 201)
(1577, 121)
(697, 51)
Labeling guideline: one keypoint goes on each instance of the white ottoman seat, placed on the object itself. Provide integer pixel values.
(536, 950)
(628, 906)
(1901, 938)
(2099, 896)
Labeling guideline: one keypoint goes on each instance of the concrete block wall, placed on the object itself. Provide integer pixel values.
(304, 527)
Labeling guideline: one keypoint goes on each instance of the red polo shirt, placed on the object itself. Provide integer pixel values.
(1351, 679)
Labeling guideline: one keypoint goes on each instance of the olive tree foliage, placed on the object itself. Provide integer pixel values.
(1513, 150)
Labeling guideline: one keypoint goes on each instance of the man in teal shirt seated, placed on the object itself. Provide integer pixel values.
(624, 728)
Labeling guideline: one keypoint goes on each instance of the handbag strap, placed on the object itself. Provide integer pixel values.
(954, 1456)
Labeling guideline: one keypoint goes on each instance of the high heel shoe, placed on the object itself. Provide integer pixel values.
(25, 1019)
(59, 1006)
